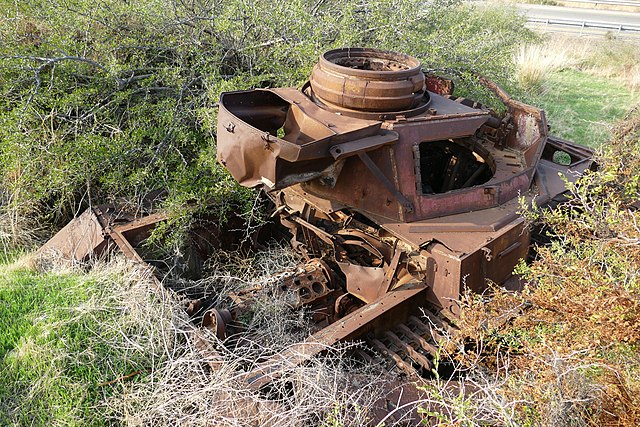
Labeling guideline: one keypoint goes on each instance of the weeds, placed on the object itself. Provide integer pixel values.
(534, 64)
(74, 333)
(571, 337)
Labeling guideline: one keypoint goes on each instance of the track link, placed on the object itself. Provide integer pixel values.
(410, 346)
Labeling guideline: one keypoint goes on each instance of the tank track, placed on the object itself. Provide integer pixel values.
(410, 348)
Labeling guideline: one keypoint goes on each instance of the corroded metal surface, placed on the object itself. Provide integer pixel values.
(398, 195)
(352, 80)
(396, 184)
(98, 228)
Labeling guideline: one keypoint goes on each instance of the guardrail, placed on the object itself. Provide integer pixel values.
(586, 24)
(605, 2)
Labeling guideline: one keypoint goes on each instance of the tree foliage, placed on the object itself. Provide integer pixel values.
(112, 100)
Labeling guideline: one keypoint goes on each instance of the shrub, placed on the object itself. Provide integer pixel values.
(115, 100)
(569, 342)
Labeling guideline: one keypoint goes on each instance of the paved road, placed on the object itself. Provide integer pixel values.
(581, 15)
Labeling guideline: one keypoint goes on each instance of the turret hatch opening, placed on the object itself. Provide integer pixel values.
(448, 165)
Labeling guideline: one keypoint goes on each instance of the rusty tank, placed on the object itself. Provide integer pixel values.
(400, 195)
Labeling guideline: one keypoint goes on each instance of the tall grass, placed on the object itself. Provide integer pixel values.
(534, 64)
(612, 58)
(584, 85)
(615, 59)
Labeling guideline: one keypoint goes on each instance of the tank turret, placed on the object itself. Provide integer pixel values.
(371, 139)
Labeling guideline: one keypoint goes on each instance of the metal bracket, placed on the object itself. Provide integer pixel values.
(375, 170)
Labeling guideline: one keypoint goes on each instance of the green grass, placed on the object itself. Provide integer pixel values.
(61, 336)
(41, 381)
(30, 306)
(582, 107)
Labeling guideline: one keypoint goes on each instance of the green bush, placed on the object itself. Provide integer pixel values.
(567, 346)
(110, 101)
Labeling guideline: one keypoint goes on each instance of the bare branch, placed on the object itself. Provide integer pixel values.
(49, 61)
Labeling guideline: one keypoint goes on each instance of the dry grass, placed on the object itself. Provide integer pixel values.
(17, 232)
(612, 58)
(184, 392)
(567, 346)
(616, 59)
(535, 62)
(182, 388)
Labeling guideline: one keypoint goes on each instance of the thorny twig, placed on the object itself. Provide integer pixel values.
(45, 62)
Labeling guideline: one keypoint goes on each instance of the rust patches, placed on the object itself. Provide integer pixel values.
(399, 195)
